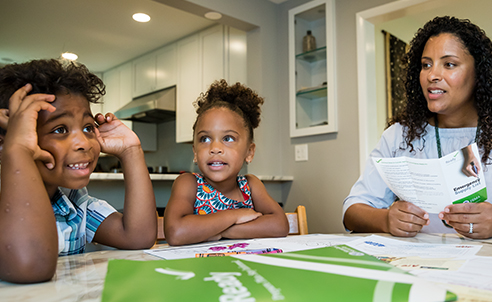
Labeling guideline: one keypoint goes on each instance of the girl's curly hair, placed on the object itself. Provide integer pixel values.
(238, 98)
(51, 77)
(415, 116)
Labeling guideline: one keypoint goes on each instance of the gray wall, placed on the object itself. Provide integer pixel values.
(323, 182)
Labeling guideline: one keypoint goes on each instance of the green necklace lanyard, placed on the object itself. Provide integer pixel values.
(439, 152)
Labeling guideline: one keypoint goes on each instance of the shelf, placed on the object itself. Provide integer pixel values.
(313, 55)
(171, 177)
(312, 74)
(312, 92)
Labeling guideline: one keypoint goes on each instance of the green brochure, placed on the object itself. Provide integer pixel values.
(335, 273)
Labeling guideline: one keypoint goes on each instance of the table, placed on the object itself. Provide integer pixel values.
(81, 277)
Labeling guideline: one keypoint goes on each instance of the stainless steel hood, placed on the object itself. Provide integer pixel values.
(156, 107)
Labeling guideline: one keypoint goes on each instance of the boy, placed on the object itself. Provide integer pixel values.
(49, 151)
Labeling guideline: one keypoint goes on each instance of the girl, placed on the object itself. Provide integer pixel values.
(219, 203)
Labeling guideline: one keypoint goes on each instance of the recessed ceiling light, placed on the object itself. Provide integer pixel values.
(141, 17)
(69, 56)
(213, 15)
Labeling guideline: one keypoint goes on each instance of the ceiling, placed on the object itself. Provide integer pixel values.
(478, 11)
(104, 35)
(101, 32)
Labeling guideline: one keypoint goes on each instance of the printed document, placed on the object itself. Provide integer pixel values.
(433, 184)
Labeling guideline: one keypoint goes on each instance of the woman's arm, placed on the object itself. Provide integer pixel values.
(402, 219)
(137, 227)
(273, 222)
(183, 227)
(29, 242)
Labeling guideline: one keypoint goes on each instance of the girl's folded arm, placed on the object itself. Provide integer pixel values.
(273, 222)
(182, 226)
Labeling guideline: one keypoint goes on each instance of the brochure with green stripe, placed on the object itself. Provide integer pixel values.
(432, 184)
(335, 273)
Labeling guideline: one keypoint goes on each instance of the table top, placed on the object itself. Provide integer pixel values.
(81, 277)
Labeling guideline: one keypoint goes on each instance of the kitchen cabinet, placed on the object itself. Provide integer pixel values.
(312, 91)
(154, 71)
(98, 107)
(188, 87)
(119, 93)
(216, 53)
(118, 89)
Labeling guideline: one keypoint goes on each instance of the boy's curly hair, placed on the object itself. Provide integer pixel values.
(238, 98)
(51, 77)
(415, 116)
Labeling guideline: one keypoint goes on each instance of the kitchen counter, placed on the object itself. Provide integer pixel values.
(172, 177)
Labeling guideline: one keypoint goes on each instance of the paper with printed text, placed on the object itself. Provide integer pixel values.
(433, 184)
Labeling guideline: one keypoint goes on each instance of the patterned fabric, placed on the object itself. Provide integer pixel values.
(78, 216)
(209, 200)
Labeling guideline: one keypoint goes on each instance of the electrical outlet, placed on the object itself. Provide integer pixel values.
(301, 152)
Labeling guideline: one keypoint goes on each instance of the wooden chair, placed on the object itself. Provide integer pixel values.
(297, 221)
(160, 229)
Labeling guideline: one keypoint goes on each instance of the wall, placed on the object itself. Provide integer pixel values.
(322, 183)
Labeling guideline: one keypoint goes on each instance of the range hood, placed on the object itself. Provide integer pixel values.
(156, 107)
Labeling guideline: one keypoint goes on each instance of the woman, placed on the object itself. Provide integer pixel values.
(449, 105)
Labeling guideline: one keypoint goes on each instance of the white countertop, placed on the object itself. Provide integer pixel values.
(153, 176)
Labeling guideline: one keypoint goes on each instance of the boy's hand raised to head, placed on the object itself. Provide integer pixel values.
(22, 122)
(114, 136)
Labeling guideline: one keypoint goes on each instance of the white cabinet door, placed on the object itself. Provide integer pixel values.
(112, 96)
(236, 64)
(118, 83)
(144, 75)
(166, 67)
(188, 86)
(212, 55)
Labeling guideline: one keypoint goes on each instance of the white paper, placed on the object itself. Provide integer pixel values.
(382, 246)
(286, 244)
(432, 184)
(475, 273)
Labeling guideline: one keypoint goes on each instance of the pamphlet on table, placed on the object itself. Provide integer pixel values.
(334, 273)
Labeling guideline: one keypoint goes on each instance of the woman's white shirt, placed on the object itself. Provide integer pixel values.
(371, 189)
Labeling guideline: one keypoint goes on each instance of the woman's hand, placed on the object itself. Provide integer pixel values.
(471, 166)
(459, 216)
(406, 219)
(114, 136)
(22, 122)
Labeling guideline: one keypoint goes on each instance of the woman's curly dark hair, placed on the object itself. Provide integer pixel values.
(238, 98)
(415, 116)
(51, 77)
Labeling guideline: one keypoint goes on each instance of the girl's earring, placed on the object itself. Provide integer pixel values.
(194, 160)
(248, 161)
